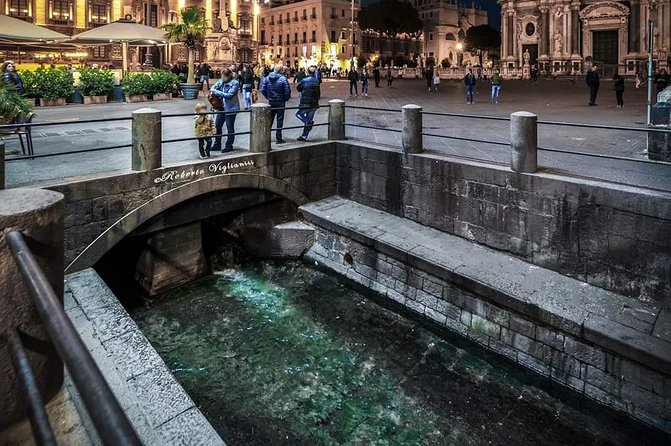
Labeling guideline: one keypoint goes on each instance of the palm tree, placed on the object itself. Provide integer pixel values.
(191, 29)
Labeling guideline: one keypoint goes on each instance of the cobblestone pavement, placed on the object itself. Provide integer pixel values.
(559, 100)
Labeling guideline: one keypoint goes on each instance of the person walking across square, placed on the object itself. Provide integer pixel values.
(469, 81)
(203, 129)
(275, 88)
(592, 80)
(618, 87)
(496, 86)
(310, 94)
(353, 77)
(365, 78)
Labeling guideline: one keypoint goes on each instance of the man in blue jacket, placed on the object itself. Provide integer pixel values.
(310, 94)
(275, 88)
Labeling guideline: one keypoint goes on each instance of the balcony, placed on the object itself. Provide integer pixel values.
(60, 22)
(304, 17)
(96, 24)
(295, 19)
(313, 16)
(272, 23)
(244, 33)
(279, 22)
(333, 16)
(22, 16)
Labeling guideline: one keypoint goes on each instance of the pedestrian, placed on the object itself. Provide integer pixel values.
(226, 88)
(534, 75)
(496, 86)
(428, 74)
(469, 81)
(592, 80)
(618, 87)
(203, 74)
(376, 76)
(247, 81)
(661, 80)
(353, 77)
(390, 77)
(275, 88)
(203, 129)
(309, 103)
(364, 82)
(11, 77)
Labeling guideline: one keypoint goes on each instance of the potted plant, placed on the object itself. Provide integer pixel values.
(53, 85)
(95, 85)
(12, 105)
(446, 63)
(29, 87)
(136, 87)
(191, 29)
(164, 84)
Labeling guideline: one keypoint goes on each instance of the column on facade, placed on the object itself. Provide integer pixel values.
(511, 34)
(504, 34)
(634, 26)
(545, 32)
(575, 29)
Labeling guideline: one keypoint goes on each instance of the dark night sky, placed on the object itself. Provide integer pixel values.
(490, 6)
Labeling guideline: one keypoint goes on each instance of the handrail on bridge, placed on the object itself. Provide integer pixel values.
(102, 406)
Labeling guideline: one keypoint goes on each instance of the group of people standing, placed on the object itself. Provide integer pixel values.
(273, 85)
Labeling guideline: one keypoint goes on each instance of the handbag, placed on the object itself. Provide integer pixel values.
(436, 80)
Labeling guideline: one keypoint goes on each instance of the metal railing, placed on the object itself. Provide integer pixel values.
(108, 417)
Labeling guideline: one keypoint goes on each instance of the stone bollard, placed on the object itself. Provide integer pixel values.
(412, 129)
(260, 123)
(524, 142)
(38, 215)
(336, 120)
(2, 165)
(147, 136)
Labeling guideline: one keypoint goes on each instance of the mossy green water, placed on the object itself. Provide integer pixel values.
(282, 354)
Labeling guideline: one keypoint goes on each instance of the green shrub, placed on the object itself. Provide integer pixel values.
(29, 84)
(446, 63)
(12, 105)
(95, 82)
(51, 83)
(137, 83)
(430, 61)
(164, 81)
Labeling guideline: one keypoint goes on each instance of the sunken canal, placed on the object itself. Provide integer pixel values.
(275, 348)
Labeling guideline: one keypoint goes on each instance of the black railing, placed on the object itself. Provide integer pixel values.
(104, 410)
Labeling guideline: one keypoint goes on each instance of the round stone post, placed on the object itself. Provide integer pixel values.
(412, 129)
(260, 123)
(336, 120)
(146, 139)
(524, 142)
(2, 165)
(38, 215)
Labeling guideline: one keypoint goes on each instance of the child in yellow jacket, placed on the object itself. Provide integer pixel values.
(204, 129)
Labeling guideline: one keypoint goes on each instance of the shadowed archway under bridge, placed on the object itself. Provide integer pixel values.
(173, 197)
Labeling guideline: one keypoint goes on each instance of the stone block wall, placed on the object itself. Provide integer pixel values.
(612, 236)
(95, 204)
(609, 378)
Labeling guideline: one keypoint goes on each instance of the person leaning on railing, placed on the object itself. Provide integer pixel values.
(309, 103)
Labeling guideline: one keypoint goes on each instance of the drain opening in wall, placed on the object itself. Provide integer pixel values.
(348, 259)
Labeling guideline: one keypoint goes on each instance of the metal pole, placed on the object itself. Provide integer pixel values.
(107, 415)
(650, 72)
(351, 35)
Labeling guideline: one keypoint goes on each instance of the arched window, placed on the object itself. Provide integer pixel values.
(450, 36)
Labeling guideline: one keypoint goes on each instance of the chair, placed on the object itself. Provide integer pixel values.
(23, 131)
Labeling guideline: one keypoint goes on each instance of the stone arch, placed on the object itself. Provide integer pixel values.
(133, 219)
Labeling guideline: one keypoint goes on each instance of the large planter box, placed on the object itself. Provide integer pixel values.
(31, 101)
(95, 99)
(162, 96)
(190, 91)
(137, 98)
(51, 102)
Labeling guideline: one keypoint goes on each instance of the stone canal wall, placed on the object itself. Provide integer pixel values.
(95, 205)
(609, 235)
(602, 345)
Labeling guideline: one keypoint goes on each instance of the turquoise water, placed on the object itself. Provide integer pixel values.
(277, 354)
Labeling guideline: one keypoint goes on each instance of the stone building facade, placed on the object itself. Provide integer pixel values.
(567, 36)
(309, 32)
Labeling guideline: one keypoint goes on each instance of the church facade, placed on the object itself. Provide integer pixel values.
(568, 36)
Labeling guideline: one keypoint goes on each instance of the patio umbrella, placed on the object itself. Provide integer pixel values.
(125, 32)
(14, 31)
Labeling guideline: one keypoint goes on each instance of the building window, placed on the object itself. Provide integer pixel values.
(98, 52)
(295, 38)
(305, 36)
(98, 13)
(342, 35)
(431, 53)
(279, 42)
(344, 48)
(333, 13)
(18, 8)
(245, 26)
(343, 13)
(314, 13)
(333, 36)
(430, 36)
(60, 10)
(314, 36)
(263, 37)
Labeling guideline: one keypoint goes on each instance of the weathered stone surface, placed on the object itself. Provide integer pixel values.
(38, 215)
(146, 134)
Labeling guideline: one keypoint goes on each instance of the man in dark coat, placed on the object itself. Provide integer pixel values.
(592, 79)
(275, 88)
(310, 94)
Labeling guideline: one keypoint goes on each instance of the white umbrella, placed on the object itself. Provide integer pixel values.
(15, 31)
(125, 32)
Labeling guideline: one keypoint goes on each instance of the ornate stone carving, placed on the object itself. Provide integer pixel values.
(604, 10)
